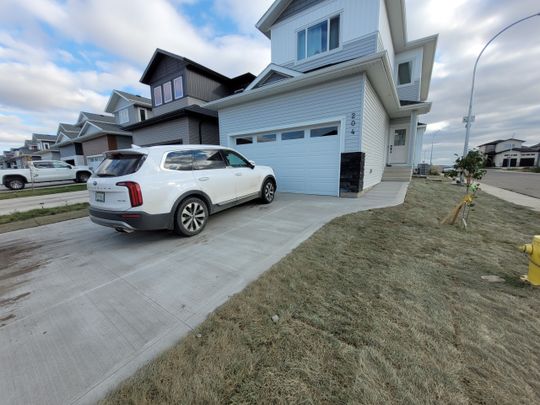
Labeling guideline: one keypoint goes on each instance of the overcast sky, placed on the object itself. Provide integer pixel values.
(58, 57)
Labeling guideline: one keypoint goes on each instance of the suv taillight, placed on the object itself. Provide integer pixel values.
(135, 194)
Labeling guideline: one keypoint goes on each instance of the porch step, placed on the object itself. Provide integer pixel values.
(397, 173)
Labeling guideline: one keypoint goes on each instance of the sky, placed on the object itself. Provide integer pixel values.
(60, 57)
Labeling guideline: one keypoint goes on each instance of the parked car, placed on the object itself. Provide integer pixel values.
(40, 171)
(174, 187)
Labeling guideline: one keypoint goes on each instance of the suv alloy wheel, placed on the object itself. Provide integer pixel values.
(268, 191)
(191, 217)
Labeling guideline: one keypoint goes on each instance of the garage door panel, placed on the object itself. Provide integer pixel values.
(309, 165)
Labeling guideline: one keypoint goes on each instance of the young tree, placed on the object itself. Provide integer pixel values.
(471, 167)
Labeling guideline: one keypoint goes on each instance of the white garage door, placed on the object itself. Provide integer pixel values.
(305, 161)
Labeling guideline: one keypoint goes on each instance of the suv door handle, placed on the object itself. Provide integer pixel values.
(238, 174)
(204, 178)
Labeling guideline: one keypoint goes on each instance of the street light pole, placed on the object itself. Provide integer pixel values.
(469, 119)
(432, 142)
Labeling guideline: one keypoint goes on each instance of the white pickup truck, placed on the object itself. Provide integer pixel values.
(40, 171)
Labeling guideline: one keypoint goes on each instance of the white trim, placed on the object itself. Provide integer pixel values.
(181, 80)
(122, 119)
(158, 87)
(168, 85)
(272, 67)
(328, 51)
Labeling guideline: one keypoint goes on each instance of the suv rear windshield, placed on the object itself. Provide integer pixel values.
(118, 164)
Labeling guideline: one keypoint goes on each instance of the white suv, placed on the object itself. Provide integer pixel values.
(174, 187)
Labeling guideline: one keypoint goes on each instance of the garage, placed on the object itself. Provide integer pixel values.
(305, 160)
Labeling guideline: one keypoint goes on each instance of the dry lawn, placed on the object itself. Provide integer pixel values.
(377, 307)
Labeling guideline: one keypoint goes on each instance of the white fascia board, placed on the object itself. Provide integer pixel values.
(272, 67)
(376, 67)
(85, 128)
(398, 22)
(112, 99)
(271, 15)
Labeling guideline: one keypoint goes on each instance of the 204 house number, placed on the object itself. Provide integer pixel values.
(353, 123)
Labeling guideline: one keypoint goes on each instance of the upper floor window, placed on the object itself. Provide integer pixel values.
(123, 116)
(404, 73)
(142, 114)
(178, 88)
(167, 92)
(46, 146)
(319, 38)
(158, 98)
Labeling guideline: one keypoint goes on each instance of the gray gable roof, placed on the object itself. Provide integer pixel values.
(43, 137)
(98, 117)
(109, 128)
(135, 98)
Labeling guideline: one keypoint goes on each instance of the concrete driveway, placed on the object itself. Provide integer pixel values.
(82, 307)
(22, 204)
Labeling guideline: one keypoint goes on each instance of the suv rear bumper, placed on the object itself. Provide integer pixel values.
(130, 221)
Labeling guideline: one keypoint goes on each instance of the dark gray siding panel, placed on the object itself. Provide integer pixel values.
(209, 132)
(204, 88)
(166, 68)
(297, 6)
(274, 77)
(410, 92)
(164, 132)
(68, 150)
(351, 50)
(123, 142)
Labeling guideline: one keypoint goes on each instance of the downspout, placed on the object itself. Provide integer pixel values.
(200, 132)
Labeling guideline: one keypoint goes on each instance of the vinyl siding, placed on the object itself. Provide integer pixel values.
(209, 131)
(204, 88)
(297, 6)
(410, 92)
(385, 33)
(358, 19)
(355, 49)
(176, 105)
(374, 136)
(272, 78)
(162, 133)
(339, 98)
(70, 150)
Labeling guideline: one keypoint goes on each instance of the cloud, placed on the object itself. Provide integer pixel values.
(244, 13)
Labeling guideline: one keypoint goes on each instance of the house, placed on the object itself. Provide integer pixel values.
(86, 141)
(510, 153)
(339, 102)
(45, 148)
(178, 87)
(128, 109)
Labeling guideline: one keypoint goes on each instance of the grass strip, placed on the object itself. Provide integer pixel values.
(41, 212)
(41, 191)
(384, 306)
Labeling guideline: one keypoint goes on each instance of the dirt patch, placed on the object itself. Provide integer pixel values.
(13, 300)
(6, 318)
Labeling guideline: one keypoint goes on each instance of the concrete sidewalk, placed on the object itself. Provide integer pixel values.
(23, 204)
(83, 307)
(510, 196)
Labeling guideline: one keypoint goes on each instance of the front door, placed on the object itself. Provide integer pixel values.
(399, 141)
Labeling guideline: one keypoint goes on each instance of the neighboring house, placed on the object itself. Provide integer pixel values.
(85, 142)
(70, 151)
(340, 100)
(46, 150)
(510, 153)
(178, 87)
(128, 109)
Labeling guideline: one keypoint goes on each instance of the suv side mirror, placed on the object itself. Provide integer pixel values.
(252, 163)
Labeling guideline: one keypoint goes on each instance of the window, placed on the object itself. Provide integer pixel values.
(182, 161)
(178, 88)
(235, 160)
(43, 165)
(208, 160)
(119, 164)
(244, 140)
(266, 138)
(319, 38)
(287, 136)
(142, 114)
(400, 136)
(46, 146)
(320, 132)
(60, 165)
(167, 92)
(123, 116)
(158, 98)
(404, 73)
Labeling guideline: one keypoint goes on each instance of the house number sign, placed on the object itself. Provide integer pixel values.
(353, 123)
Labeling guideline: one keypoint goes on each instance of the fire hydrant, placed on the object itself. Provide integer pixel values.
(533, 250)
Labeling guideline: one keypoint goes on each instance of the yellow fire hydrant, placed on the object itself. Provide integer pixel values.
(533, 250)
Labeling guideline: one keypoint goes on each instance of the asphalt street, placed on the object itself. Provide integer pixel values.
(519, 182)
